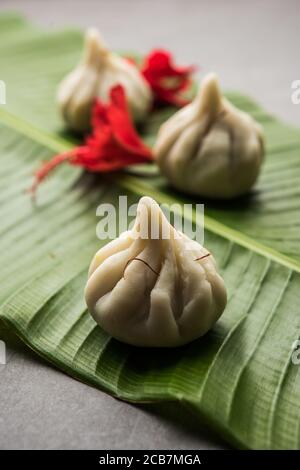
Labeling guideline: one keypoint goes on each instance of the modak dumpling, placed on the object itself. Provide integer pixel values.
(97, 73)
(154, 286)
(210, 148)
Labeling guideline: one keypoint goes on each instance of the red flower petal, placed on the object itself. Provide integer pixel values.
(166, 79)
(112, 145)
(124, 132)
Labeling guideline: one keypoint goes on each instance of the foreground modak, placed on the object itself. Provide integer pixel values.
(153, 286)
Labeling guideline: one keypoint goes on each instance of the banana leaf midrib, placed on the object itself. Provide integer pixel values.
(136, 185)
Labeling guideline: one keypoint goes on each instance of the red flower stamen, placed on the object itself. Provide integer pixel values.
(112, 145)
(47, 167)
(167, 80)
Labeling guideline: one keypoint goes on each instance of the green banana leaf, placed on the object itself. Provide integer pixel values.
(239, 378)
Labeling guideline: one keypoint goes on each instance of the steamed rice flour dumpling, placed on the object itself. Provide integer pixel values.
(210, 148)
(154, 286)
(98, 72)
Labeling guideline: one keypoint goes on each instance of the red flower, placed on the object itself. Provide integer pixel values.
(112, 145)
(166, 79)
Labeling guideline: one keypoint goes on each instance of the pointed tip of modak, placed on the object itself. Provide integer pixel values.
(148, 202)
(147, 206)
(211, 84)
(151, 221)
(95, 47)
(209, 95)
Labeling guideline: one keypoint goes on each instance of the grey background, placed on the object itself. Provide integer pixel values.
(254, 47)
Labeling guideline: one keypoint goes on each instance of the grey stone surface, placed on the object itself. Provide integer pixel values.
(42, 408)
(253, 46)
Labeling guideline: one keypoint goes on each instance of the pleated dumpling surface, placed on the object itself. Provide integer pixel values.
(153, 286)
